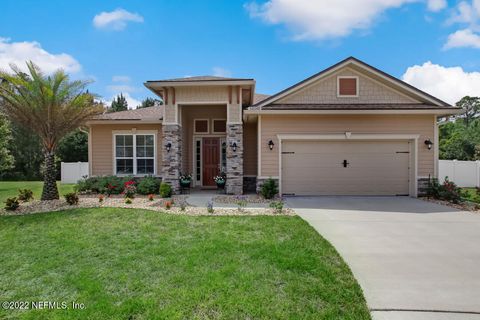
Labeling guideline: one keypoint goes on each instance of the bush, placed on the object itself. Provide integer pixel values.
(165, 190)
(12, 204)
(129, 189)
(107, 184)
(277, 206)
(71, 198)
(25, 195)
(151, 197)
(448, 190)
(128, 201)
(148, 185)
(168, 205)
(269, 189)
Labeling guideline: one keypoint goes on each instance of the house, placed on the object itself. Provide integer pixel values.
(350, 129)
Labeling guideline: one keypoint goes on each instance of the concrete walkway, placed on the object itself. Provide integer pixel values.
(413, 259)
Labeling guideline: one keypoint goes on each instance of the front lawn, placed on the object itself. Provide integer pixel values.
(138, 264)
(9, 189)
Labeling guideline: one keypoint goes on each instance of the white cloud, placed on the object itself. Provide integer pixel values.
(436, 5)
(221, 72)
(325, 19)
(121, 79)
(465, 12)
(115, 20)
(463, 38)
(131, 101)
(20, 52)
(122, 88)
(447, 83)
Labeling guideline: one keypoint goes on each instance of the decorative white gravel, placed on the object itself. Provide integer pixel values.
(157, 204)
(250, 198)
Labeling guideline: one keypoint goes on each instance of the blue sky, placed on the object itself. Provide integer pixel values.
(433, 44)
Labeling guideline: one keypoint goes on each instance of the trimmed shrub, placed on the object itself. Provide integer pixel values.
(25, 195)
(269, 189)
(165, 190)
(148, 185)
(71, 198)
(448, 190)
(12, 204)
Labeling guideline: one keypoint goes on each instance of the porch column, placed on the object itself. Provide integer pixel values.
(234, 184)
(171, 161)
(172, 136)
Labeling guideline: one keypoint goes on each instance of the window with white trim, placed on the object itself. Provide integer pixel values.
(135, 154)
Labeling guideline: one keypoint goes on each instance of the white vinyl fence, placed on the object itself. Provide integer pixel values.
(71, 172)
(463, 173)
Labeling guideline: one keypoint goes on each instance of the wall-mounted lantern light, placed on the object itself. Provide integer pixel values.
(271, 144)
(234, 146)
(429, 143)
(168, 147)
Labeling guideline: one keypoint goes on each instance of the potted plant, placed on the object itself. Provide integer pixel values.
(220, 181)
(185, 180)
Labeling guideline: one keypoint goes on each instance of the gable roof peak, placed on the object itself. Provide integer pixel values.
(363, 65)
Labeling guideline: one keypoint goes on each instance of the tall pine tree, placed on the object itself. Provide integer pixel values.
(118, 104)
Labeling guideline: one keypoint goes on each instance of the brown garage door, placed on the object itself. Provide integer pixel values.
(345, 168)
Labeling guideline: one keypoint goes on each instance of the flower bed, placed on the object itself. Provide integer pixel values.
(232, 199)
(158, 204)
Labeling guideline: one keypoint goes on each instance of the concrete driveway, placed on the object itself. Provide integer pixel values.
(413, 259)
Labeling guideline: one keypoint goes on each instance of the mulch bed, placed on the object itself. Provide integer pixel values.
(464, 206)
(158, 204)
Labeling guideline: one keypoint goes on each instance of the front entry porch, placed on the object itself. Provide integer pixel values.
(208, 146)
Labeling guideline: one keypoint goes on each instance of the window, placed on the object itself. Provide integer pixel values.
(223, 164)
(201, 126)
(219, 126)
(135, 154)
(198, 160)
(347, 86)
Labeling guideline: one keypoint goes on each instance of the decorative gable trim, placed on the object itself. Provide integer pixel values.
(362, 65)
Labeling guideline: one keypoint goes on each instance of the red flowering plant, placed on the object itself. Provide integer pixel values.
(129, 189)
(111, 189)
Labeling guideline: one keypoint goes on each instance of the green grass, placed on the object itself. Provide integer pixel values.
(9, 189)
(138, 264)
(472, 195)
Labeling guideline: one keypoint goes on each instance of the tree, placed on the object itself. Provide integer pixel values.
(51, 106)
(74, 147)
(459, 141)
(471, 107)
(149, 102)
(26, 148)
(6, 159)
(118, 104)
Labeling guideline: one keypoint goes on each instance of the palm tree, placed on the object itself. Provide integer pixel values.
(50, 106)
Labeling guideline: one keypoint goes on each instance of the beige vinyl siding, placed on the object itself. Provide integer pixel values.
(325, 91)
(250, 162)
(102, 146)
(189, 114)
(324, 124)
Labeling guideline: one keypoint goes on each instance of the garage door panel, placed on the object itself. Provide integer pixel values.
(316, 168)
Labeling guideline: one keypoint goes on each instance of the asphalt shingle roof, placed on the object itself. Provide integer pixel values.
(150, 113)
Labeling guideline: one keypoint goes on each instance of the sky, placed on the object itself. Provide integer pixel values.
(432, 44)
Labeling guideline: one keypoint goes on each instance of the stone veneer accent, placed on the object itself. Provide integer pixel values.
(422, 186)
(171, 161)
(234, 172)
(249, 184)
